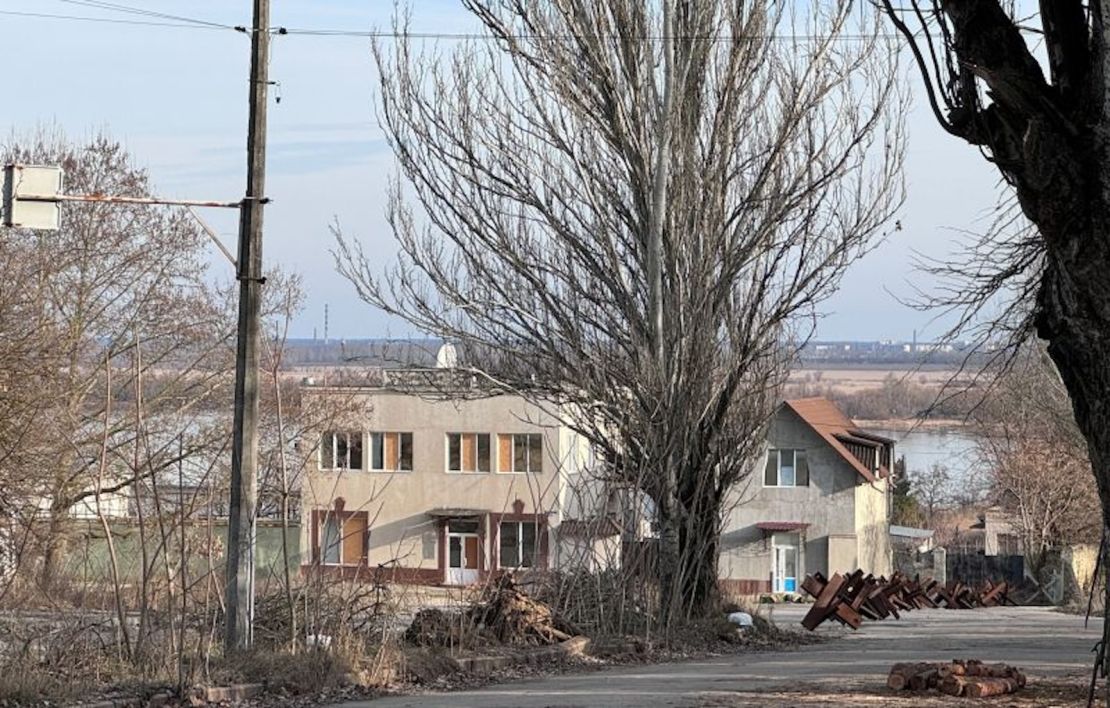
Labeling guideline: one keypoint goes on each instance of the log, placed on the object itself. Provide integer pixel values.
(953, 685)
(897, 681)
(913, 675)
(924, 680)
(986, 686)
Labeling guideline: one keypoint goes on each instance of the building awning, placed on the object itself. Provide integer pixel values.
(910, 532)
(448, 513)
(590, 528)
(782, 525)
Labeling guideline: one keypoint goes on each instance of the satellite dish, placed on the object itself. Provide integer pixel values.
(447, 357)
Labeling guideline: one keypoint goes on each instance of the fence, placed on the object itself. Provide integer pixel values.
(975, 567)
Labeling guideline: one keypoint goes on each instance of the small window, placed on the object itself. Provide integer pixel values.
(343, 537)
(786, 468)
(341, 451)
(468, 452)
(801, 469)
(517, 544)
(329, 544)
(522, 452)
(391, 452)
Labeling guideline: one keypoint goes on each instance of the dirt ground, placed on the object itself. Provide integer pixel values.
(1054, 650)
(1046, 693)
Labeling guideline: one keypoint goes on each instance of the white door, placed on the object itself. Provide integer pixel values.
(462, 558)
(786, 569)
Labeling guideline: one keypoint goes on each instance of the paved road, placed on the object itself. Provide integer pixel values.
(1041, 641)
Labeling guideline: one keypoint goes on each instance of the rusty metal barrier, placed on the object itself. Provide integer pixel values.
(850, 599)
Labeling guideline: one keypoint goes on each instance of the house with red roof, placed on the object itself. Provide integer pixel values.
(819, 501)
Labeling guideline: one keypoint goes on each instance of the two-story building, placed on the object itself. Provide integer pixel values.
(444, 489)
(439, 489)
(819, 500)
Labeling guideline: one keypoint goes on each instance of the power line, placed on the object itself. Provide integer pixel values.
(117, 21)
(193, 23)
(127, 9)
(384, 34)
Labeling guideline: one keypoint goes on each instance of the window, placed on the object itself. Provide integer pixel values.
(468, 452)
(520, 452)
(329, 545)
(786, 468)
(342, 538)
(341, 451)
(391, 452)
(518, 544)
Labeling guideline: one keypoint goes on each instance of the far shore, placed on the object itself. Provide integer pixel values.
(905, 425)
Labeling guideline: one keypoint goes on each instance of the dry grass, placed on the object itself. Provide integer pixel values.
(301, 674)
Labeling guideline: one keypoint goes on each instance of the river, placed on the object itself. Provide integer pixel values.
(950, 447)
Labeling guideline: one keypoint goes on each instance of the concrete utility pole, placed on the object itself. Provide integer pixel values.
(238, 629)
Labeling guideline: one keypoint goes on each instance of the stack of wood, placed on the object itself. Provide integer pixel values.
(971, 678)
(514, 617)
(504, 613)
(851, 598)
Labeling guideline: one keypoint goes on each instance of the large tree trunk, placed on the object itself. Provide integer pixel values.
(699, 544)
(1074, 317)
(1050, 139)
(689, 543)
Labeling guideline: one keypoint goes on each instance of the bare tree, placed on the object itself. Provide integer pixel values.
(1036, 460)
(112, 281)
(933, 490)
(630, 211)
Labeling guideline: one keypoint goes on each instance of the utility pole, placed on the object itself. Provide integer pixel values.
(238, 629)
(657, 301)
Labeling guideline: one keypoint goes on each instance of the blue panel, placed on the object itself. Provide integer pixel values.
(790, 585)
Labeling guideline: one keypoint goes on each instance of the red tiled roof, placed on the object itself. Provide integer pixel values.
(782, 525)
(831, 424)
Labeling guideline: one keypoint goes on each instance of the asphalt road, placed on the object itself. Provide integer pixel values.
(1043, 642)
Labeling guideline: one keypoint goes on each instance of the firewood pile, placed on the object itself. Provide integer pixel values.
(850, 599)
(503, 613)
(513, 616)
(971, 678)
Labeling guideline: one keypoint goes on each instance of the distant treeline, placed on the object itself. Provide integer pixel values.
(896, 397)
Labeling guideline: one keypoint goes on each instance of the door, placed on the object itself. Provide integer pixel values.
(462, 558)
(786, 569)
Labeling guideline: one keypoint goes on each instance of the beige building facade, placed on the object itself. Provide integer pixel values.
(819, 501)
(436, 490)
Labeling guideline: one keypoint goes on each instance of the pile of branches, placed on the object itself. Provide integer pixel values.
(504, 614)
(512, 616)
(971, 678)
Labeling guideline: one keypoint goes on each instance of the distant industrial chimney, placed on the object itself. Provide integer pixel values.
(325, 323)
(447, 357)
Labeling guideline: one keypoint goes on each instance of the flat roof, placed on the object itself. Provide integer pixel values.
(911, 532)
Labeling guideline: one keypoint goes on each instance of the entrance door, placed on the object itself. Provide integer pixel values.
(462, 558)
(786, 569)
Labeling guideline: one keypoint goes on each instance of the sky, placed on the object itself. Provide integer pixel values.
(177, 98)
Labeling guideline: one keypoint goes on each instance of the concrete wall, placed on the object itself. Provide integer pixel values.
(847, 518)
(87, 557)
(873, 528)
(843, 553)
(398, 503)
(1078, 564)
